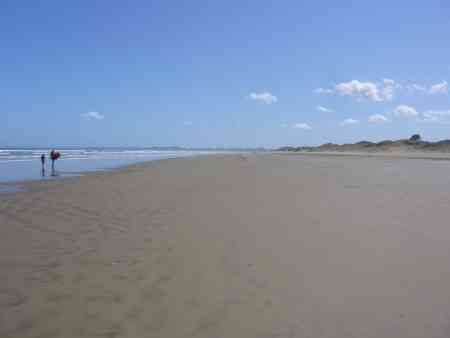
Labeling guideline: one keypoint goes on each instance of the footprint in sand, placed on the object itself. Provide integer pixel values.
(153, 294)
(10, 298)
(134, 312)
(49, 333)
(209, 324)
(79, 277)
(268, 303)
(114, 331)
(118, 298)
(56, 297)
(120, 277)
(155, 321)
(289, 332)
(25, 326)
(192, 303)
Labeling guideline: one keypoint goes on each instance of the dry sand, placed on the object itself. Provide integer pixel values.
(231, 246)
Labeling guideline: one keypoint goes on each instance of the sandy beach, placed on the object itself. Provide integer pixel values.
(231, 246)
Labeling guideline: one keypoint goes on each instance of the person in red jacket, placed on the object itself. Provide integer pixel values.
(54, 155)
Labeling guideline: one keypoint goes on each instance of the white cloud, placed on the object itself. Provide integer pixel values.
(377, 118)
(436, 116)
(380, 91)
(416, 87)
(441, 113)
(304, 126)
(388, 82)
(388, 89)
(439, 88)
(348, 122)
(359, 89)
(375, 91)
(405, 111)
(264, 97)
(323, 91)
(93, 115)
(324, 109)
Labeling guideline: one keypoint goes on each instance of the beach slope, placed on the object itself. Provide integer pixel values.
(259, 246)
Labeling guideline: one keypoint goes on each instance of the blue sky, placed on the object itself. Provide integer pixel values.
(228, 73)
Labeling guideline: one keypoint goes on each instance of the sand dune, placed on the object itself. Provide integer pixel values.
(231, 246)
(412, 146)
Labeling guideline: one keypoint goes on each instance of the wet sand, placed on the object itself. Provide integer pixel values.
(269, 245)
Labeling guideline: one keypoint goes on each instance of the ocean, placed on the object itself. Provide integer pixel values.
(20, 164)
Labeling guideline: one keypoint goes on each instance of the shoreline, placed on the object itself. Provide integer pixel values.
(79, 162)
(23, 185)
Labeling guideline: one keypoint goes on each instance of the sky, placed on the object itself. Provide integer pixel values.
(222, 73)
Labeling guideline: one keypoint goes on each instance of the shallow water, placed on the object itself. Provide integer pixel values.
(24, 164)
(9, 189)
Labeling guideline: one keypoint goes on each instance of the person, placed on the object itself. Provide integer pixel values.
(54, 155)
(43, 164)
